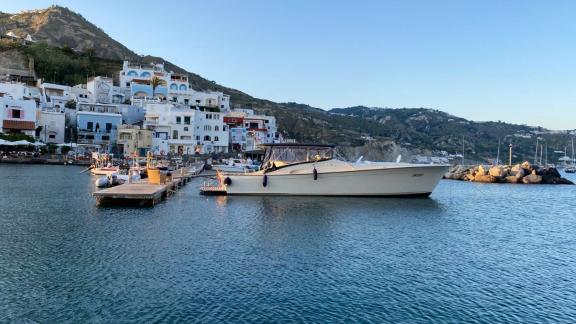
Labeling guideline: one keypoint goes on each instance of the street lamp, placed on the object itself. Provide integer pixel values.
(510, 156)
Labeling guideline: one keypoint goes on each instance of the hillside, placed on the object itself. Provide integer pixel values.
(68, 49)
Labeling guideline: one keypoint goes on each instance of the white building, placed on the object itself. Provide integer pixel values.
(17, 116)
(18, 90)
(55, 95)
(179, 129)
(135, 83)
(53, 126)
(248, 131)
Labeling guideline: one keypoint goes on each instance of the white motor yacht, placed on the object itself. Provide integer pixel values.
(312, 170)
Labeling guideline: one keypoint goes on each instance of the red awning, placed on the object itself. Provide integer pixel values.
(18, 124)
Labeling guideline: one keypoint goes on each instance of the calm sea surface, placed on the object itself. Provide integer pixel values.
(470, 253)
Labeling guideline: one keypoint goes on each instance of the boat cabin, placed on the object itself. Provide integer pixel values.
(280, 155)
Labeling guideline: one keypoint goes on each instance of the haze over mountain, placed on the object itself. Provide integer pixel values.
(375, 133)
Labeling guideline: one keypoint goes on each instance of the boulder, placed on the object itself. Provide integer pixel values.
(520, 173)
(526, 165)
(515, 169)
(512, 179)
(485, 178)
(498, 171)
(481, 170)
(532, 178)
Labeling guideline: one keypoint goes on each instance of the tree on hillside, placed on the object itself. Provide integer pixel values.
(155, 82)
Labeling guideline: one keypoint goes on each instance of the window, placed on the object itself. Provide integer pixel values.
(175, 134)
(208, 116)
(224, 128)
(108, 127)
(127, 84)
(178, 120)
(207, 138)
(216, 138)
(90, 137)
(185, 129)
(52, 136)
(105, 137)
(197, 137)
(90, 125)
(216, 128)
(222, 106)
(17, 114)
(207, 127)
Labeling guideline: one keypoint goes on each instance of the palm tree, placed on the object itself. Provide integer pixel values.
(155, 82)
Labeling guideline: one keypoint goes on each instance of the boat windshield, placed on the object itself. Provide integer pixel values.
(283, 155)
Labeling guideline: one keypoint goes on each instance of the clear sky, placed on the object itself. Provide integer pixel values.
(484, 60)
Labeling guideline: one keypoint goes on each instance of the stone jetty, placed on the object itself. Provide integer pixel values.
(524, 173)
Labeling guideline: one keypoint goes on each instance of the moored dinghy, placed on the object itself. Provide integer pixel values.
(312, 170)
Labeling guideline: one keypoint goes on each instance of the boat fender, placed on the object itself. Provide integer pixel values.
(315, 174)
(265, 181)
(227, 181)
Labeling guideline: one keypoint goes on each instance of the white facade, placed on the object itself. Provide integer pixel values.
(53, 126)
(179, 129)
(55, 95)
(17, 116)
(135, 84)
(248, 131)
(16, 90)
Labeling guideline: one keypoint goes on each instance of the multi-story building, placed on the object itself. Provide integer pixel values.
(248, 131)
(135, 82)
(55, 95)
(179, 129)
(97, 125)
(52, 125)
(133, 139)
(17, 116)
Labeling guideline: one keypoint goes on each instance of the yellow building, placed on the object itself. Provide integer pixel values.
(132, 138)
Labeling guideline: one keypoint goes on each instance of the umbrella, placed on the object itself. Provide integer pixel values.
(22, 142)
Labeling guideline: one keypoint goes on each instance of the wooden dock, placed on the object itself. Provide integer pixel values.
(142, 193)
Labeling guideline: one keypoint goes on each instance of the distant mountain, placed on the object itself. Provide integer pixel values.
(69, 48)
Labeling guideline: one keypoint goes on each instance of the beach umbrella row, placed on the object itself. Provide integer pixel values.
(20, 143)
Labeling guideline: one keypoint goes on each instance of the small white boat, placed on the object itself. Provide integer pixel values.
(312, 170)
(116, 179)
(235, 166)
(109, 170)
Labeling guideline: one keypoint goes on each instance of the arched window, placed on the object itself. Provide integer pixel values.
(207, 138)
(216, 138)
(183, 87)
(145, 74)
(132, 73)
(173, 86)
(216, 128)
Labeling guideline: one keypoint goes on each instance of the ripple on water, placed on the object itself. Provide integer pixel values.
(471, 253)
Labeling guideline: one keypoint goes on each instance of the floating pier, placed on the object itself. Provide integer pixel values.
(143, 193)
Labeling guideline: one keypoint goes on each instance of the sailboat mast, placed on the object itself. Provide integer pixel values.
(536, 152)
(572, 150)
(498, 154)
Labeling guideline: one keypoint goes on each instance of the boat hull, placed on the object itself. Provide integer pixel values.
(384, 182)
(104, 171)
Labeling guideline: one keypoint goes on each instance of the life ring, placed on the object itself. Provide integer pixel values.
(227, 181)
(315, 174)
(265, 181)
